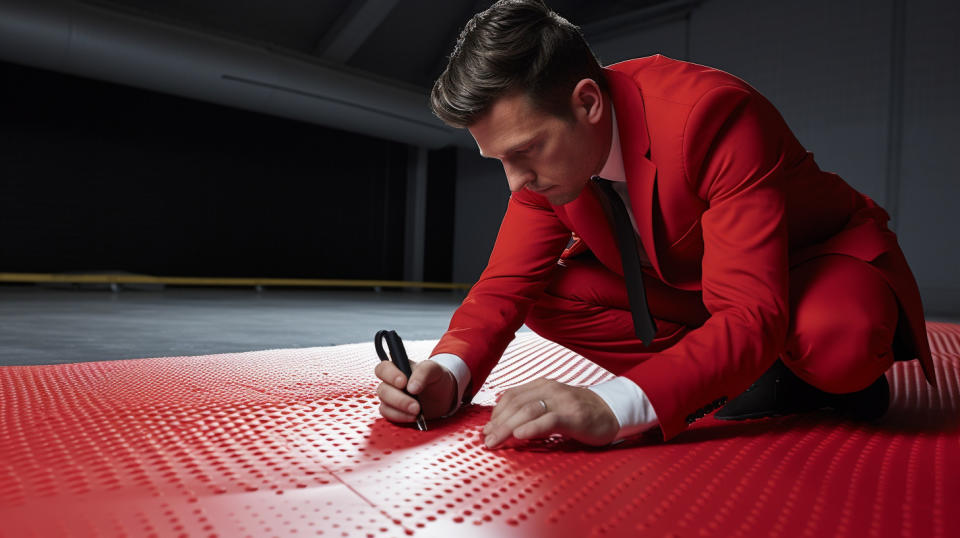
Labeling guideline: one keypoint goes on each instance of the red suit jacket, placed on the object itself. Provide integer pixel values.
(726, 201)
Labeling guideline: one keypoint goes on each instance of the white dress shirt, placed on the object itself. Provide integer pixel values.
(625, 398)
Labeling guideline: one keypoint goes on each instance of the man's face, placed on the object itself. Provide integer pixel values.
(549, 155)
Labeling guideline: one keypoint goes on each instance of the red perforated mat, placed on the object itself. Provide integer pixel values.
(290, 442)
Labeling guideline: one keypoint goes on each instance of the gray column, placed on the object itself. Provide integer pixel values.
(415, 229)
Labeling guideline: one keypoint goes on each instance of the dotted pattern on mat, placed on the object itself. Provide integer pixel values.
(291, 443)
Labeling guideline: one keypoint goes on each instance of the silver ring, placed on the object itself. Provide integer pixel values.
(543, 404)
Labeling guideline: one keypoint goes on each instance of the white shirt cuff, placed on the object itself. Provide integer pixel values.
(460, 371)
(630, 405)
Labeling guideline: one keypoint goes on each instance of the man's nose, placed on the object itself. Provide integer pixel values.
(517, 178)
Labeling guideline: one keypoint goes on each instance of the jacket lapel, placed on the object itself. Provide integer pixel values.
(585, 216)
(640, 170)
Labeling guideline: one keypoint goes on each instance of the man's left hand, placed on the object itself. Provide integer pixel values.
(574, 412)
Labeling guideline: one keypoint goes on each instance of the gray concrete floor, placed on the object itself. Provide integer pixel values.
(54, 326)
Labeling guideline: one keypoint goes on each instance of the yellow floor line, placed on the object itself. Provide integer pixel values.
(217, 281)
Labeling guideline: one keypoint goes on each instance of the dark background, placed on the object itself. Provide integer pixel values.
(100, 177)
(106, 170)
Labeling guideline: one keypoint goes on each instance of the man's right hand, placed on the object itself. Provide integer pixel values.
(433, 384)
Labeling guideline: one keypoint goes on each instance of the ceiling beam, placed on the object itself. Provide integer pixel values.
(638, 19)
(103, 44)
(353, 28)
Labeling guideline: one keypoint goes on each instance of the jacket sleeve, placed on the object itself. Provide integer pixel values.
(528, 245)
(733, 154)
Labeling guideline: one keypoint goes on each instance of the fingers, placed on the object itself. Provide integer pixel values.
(394, 415)
(542, 426)
(432, 387)
(523, 418)
(575, 412)
(389, 373)
(512, 399)
(396, 405)
(424, 374)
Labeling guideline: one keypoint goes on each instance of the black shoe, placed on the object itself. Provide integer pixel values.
(780, 392)
(868, 404)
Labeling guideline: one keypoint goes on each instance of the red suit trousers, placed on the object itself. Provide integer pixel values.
(843, 316)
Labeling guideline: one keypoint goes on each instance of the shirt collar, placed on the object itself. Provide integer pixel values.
(613, 168)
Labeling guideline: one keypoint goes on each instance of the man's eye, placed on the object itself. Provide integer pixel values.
(525, 150)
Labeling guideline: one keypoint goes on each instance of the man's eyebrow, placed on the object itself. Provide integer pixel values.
(515, 147)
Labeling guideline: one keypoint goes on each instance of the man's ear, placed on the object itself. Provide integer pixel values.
(587, 101)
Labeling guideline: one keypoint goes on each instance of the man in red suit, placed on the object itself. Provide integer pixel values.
(759, 274)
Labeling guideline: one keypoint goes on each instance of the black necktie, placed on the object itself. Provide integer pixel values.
(643, 324)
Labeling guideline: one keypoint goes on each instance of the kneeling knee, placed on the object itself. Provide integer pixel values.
(844, 357)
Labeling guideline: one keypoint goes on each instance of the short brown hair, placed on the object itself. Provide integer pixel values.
(514, 46)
